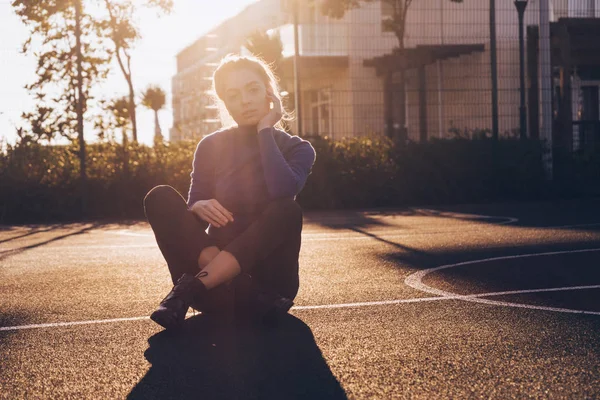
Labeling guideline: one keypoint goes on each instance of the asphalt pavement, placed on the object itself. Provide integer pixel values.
(465, 301)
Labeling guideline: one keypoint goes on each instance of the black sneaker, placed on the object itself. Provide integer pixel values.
(255, 304)
(273, 306)
(173, 308)
(214, 301)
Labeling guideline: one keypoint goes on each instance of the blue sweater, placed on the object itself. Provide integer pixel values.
(245, 170)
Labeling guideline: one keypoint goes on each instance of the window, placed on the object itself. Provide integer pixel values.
(584, 8)
(318, 110)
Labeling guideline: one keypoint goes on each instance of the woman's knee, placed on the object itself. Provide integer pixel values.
(207, 255)
(159, 197)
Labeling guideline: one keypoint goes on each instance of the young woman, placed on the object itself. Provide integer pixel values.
(244, 183)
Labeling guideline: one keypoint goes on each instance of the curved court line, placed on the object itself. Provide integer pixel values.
(415, 281)
(331, 306)
(509, 220)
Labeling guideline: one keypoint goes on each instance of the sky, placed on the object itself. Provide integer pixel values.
(153, 60)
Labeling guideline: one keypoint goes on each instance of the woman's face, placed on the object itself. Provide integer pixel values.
(245, 96)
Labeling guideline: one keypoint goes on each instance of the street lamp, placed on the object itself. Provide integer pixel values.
(521, 5)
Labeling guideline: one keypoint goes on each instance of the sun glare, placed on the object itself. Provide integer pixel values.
(153, 58)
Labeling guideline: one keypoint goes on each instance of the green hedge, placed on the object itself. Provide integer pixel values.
(40, 183)
(374, 173)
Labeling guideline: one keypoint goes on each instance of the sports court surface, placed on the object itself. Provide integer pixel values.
(494, 301)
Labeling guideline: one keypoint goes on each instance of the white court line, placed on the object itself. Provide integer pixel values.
(305, 238)
(310, 237)
(58, 324)
(455, 297)
(433, 213)
(353, 236)
(415, 281)
(348, 305)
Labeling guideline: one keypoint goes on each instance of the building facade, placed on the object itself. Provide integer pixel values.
(448, 82)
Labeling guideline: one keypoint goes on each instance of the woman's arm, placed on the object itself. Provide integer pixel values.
(202, 175)
(285, 177)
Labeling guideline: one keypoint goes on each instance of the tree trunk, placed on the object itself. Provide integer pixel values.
(157, 131)
(127, 74)
(132, 111)
(80, 107)
(125, 155)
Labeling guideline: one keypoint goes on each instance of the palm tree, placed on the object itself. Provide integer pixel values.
(155, 99)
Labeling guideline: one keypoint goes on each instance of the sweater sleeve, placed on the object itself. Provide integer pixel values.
(285, 175)
(202, 175)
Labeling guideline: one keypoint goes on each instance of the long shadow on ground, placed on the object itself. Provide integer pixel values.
(211, 361)
(580, 214)
(4, 254)
(32, 231)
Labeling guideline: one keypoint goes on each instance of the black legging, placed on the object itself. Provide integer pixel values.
(267, 250)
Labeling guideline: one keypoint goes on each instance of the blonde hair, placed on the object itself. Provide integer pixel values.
(234, 62)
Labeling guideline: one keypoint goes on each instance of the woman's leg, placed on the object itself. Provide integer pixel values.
(273, 286)
(278, 273)
(179, 235)
(280, 220)
(277, 228)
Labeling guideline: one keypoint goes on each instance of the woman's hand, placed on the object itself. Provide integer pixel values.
(212, 212)
(274, 115)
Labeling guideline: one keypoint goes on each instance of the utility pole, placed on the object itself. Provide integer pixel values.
(297, 97)
(521, 5)
(80, 100)
(546, 89)
(494, 65)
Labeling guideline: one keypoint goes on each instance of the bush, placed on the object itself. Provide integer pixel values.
(41, 183)
(374, 173)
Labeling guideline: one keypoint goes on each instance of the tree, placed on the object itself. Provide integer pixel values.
(72, 59)
(395, 23)
(117, 117)
(124, 33)
(154, 99)
(268, 47)
(120, 116)
(53, 41)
